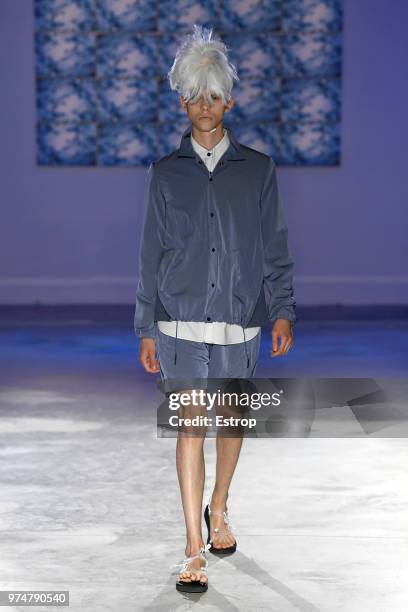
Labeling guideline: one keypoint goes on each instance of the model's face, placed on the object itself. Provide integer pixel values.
(204, 116)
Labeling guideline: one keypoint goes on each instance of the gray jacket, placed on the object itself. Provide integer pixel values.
(214, 244)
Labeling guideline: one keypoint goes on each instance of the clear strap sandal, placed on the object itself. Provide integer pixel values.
(194, 585)
(228, 550)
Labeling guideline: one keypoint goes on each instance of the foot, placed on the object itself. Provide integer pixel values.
(194, 569)
(221, 529)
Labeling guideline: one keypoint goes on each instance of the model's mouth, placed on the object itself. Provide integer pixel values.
(205, 117)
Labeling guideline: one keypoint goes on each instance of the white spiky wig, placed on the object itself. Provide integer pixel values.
(201, 68)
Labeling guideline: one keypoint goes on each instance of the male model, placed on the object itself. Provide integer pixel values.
(214, 266)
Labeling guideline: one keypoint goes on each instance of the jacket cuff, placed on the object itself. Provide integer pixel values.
(149, 332)
(286, 312)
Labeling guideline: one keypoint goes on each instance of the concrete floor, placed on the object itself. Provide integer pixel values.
(90, 500)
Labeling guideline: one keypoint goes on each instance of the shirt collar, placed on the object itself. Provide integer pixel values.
(220, 147)
(234, 152)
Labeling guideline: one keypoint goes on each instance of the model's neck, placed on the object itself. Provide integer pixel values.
(208, 139)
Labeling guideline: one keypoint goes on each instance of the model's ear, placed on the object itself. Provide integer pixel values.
(230, 103)
(183, 103)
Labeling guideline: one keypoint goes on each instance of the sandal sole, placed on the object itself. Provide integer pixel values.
(191, 587)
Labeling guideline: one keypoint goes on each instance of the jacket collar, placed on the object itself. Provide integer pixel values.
(235, 151)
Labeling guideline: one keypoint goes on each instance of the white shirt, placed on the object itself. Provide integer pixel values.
(214, 332)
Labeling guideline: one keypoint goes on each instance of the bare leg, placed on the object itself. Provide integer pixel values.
(228, 445)
(191, 475)
(228, 450)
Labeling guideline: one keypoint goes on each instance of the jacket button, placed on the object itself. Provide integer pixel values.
(213, 249)
(210, 178)
(211, 214)
(208, 318)
(212, 285)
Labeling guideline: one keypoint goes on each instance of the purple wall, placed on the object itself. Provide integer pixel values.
(71, 235)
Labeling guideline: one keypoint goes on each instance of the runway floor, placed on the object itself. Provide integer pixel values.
(89, 494)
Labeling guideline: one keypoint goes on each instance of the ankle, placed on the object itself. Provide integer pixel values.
(218, 500)
(193, 547)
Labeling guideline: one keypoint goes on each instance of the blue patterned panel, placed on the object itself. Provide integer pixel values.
(309, 144)
(254, 55)
(66, 144)
(311, 15)
(169, 136)
(264, 137)
(315, 100)
(66, 100)
(311, 54)
(127, 100)
(126, 55)
(169, 108)
(135, 15)
(65, 54)
(127, 145)
(256, 101)
(102, 92)
(180, 15)
(167, 45)
(64, 15)
(250, 15)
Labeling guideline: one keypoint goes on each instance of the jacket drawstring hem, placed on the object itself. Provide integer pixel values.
(245, 343)
(175, 344)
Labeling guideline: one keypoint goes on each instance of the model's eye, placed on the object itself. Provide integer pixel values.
(214, 96)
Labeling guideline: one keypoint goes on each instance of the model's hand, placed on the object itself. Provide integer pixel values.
(282, 330)
(147, 355)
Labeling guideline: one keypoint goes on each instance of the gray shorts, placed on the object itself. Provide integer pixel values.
(198, 361)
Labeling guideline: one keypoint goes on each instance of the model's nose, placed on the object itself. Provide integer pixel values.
(204, 104)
